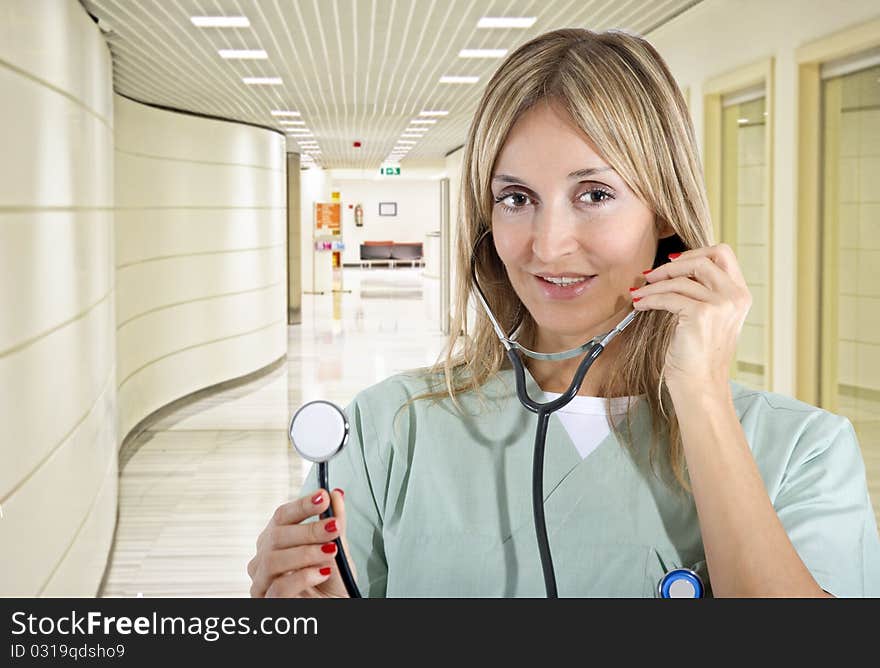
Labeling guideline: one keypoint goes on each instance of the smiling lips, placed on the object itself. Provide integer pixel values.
(563, 286)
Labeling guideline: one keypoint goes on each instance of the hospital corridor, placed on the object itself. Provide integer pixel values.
(213, 212)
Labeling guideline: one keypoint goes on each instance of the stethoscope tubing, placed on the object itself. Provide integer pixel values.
(544, 410)
(341, 559)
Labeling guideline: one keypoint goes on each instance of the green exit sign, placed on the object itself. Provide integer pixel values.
(389, 170)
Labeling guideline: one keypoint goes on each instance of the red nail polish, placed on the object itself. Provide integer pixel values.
(647, 271)
(328, 548)
(330, 526)
(325, 571)
(341, 493)
(635, 299)
(672, 256)
(317, 498)
(633, 289)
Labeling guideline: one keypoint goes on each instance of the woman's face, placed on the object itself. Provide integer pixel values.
(572, 236)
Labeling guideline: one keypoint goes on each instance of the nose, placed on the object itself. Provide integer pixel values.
(554, 233)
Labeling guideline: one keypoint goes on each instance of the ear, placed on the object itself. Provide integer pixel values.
(666, 231)
(669, 242)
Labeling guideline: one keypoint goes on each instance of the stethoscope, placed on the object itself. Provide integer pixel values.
(675, 583)
(319, 430)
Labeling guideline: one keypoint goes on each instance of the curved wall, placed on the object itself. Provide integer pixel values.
(201, 278)
(58, 448)
(116, 299)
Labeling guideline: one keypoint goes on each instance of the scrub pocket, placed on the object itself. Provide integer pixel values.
(464, 565)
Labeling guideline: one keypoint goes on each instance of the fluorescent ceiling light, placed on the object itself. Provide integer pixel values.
(297, 134)
(507, 22)
(459, 80)
(409, 135)
(291, 122)
(433, 113)
(405, 142)
(244, 54)
(220, 21)
(262, 81)
(423, 121)
(482, 53)
(280, 112)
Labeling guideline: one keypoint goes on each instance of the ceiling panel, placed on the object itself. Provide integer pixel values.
(354, 69)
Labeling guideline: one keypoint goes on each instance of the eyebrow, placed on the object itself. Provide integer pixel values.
(581, 173)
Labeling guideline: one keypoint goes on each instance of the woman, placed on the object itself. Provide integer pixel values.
(580, 176)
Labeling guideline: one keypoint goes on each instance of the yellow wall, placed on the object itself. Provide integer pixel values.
(755, 30)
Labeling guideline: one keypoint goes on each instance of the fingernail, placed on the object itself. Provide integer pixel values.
(330, 526)
(633, 289)
(317, 498)
(647, 271)
(635, 299)
(341, 493)
(325, 570)
(328, 548)
(672, 256)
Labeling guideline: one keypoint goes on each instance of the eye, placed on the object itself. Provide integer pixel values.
(514, 201)
(515, 198)
(596, 196)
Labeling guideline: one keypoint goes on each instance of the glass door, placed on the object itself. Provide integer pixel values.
(745, 226)
(850, 308)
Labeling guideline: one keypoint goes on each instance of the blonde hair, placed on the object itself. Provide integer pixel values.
(619, 92)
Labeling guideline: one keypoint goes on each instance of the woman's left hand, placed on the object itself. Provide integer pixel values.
(705, 288)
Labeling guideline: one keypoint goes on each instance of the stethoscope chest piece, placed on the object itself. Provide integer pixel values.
(318, 430)
(680, 583)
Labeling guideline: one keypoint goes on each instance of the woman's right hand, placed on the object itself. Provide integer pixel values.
(296, 559)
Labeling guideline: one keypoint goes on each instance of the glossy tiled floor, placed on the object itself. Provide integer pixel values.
(202, 482)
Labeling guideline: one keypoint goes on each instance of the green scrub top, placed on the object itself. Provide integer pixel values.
(440, 505)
